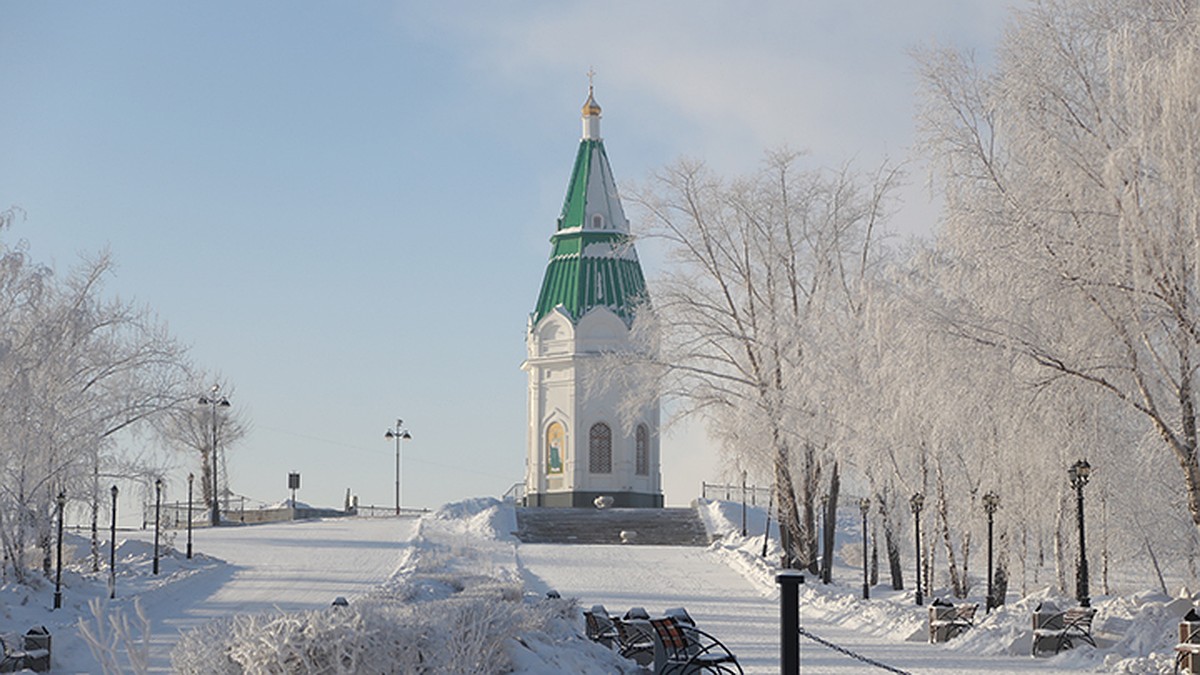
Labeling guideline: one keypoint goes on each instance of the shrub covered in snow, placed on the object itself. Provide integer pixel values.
(456, 606)
(469, 633)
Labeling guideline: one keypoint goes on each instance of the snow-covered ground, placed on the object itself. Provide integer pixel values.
(728, 588)
(288, 566)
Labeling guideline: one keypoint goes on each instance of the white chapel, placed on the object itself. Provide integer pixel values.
(579, 446)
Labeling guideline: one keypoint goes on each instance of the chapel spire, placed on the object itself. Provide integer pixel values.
(593, 262)
(591, 112)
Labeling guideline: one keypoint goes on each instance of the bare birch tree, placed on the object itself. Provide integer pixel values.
(1071, 181)
(191, 426)
(76, 369)
(756, 265)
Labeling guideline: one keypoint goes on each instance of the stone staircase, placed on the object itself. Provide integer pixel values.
(661, 527)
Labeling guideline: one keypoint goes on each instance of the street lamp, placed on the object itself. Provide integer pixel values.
(157, 518)
(1078, 474)
(400, 434)
(864, 505)
(826, 566)
(191, 477)
(991, 502)
(916, 502)
(61, 500)
(112, 549)
(214, 400)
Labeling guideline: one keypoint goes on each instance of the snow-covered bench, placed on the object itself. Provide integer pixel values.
(947, 621)
(600, 626)
(12, 660)
(684, 649)
(1187, 652)
(1061, 630)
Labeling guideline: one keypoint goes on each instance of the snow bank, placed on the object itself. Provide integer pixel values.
(1134, 633)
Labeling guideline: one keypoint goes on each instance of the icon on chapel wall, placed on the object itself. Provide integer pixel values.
(554, 447)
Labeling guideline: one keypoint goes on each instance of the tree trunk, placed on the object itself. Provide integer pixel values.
(944, 527)
(810, 484)
(96, 514)
(1000, 584)
(964, 571)
(828, 535)
(206, 490)
(892, 547)
(788, 511)
(931, 560)
(874, 555)
(1060, 553)
(1000, 577)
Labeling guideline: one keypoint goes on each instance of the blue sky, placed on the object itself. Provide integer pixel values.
(344, 208)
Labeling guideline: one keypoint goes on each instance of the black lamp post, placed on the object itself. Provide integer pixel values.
(826, 567)
(767, 527)
(112, 548)
(864, 505)
(191, 477)
(400, 434)
(61, 500)
(991, 502)
(916, 502)
(1078, 474)
(157, 518)
(214, 400)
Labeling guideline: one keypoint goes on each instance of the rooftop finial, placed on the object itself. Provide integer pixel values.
(591, 108)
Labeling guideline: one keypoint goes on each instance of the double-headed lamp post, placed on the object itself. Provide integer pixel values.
(61, 500)
(214, 400)
(864, 505)
(917, 501)
(400, 434)
(157, 518)
(1078, 474)
(991, 502)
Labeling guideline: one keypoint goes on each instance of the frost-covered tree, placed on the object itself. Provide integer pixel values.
(76, 370)
(758, 267)
(190, 426)
(1070, 175)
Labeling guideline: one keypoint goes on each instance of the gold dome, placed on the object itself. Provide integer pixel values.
(591, 107)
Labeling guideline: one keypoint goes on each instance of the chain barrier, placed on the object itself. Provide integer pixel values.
(847, 652)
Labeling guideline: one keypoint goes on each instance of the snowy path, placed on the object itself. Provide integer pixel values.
(289, 566)
(722, 601)
(742, 614)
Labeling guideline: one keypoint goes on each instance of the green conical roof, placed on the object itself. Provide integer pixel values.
(593, 262)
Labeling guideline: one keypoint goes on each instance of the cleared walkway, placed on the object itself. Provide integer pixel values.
(286, 566)
(743, 615)
(722, 601)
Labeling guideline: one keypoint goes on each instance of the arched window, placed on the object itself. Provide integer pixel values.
(643, 450)
(556, 441)
(600, 448)
(597, 222)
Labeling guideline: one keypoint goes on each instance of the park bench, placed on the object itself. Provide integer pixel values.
(600, 626)
(1187, 652)
(684, 649)
(947, 621)
(34, 656)
(1061, 630)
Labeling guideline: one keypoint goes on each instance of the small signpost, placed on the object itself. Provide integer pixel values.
(293, 485)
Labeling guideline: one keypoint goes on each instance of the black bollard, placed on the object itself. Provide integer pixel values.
(789, 621)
